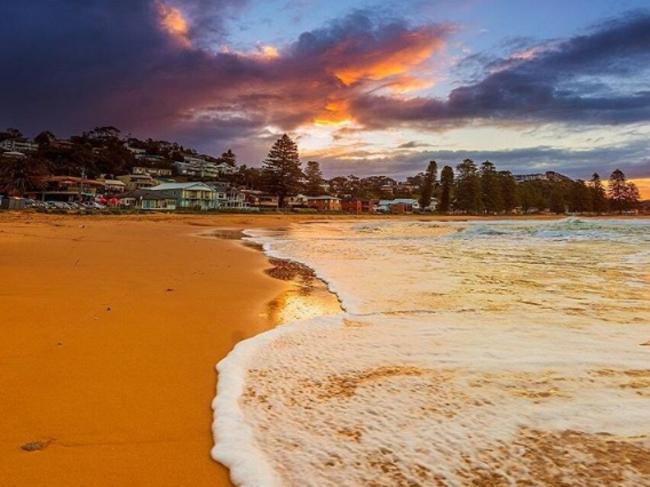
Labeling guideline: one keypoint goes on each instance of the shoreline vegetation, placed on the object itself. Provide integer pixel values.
(102, 170)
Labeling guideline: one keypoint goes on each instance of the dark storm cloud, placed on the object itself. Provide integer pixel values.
(596, 78)
(140, 65)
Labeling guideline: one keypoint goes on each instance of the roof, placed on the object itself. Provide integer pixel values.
(325, 197)
(398, 201)
(190, 185)
(148, 194)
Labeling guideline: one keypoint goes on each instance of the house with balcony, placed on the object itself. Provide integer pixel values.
(324, 203)
(152, 171)
(137, 181)
(147, 199)
(398, 206)
(192, 195)
(15, 145)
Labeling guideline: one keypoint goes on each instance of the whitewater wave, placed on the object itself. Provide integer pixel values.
(468, 353)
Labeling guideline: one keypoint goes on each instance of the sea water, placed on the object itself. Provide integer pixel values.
(469, 353)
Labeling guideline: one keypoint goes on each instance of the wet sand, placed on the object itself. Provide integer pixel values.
(109, 333)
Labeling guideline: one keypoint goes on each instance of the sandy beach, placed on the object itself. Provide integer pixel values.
(110, 331)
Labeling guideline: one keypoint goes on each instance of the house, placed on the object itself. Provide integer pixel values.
(398, 205)
(355, 205)
(228, 196)
(67, 188)
(324, 203)
(259, 199)
(203, 168)
(62, 144)
(192, 195)
(152, 171)
(136, 151)
(137, 181)
(147, 199)
(547, 176)
(14, 145)
(112, 185)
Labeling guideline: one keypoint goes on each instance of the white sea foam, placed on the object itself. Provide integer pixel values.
(506, 352)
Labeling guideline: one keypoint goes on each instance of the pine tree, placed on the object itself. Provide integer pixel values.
(617, 190)
(313, 179)
(491, 188)
(446, 185)
(623, 195)
(281, 169)
(229, 158)
(599, 197)
(428, 185)
(508, 191)
(468, 188)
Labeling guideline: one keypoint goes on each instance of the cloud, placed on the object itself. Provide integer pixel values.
(142, 66)
(150, 67)
(589, 79)
(631, 158)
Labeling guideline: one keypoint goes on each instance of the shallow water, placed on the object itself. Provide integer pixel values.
(488, 353)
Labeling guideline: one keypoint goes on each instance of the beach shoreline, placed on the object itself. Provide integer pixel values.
(111, 331)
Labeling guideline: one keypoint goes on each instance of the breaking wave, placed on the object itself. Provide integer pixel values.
(469, 353)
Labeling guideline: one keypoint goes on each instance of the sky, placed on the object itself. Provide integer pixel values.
(364, 87)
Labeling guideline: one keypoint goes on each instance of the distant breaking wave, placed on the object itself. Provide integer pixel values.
(487, 353)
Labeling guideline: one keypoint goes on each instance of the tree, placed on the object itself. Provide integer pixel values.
(580, 197)
(598, 197)
(491, 196)
(45, 138)
(281, 169)
(313, 179)
(428, 184)
(468, 188)
(622, 194)
(508, 187)
(557, 204)
(446, 184)
(11, 133)
(18, 176)
(229, 158)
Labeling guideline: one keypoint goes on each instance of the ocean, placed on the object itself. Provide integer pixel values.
(468, 353)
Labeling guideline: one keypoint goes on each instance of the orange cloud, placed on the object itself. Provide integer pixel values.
(406, 84)
(173, 22)
(335, 112)
(413, 48)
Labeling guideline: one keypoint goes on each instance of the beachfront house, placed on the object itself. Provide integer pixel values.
(147, 199)
(228, 196)
(260, 199)
(324, 203)
(192, 195)
(356, 205)
(398, 206)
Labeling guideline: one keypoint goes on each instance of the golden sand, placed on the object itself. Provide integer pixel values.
(110, 328)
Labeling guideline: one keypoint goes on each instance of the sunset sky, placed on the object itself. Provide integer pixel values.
(365, 87)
